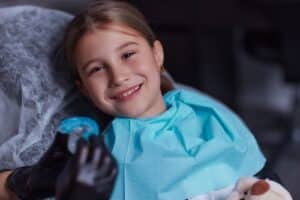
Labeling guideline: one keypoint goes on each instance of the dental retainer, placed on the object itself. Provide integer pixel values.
(78, 127)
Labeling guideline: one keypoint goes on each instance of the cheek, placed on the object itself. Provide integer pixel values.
(146, 64)
(95, 88)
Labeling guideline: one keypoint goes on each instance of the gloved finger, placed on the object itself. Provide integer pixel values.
(113, 174)
(94, 150)
(100, 141)
(60, 143)
(110, 172)
(106, 183)
(97, 153)
(99, 150)
(105, 166)
(82, 151)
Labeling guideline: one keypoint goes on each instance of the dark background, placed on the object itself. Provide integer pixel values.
(244, 53)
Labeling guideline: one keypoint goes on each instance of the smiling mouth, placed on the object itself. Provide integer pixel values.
(128, 94)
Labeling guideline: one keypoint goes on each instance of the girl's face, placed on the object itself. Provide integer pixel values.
(120, 71)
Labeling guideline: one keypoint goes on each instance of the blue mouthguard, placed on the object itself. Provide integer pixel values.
(85, 125)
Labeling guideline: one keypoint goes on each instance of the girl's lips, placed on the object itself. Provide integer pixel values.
(128, 93)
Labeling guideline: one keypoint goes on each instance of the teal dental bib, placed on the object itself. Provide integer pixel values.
(195, 147)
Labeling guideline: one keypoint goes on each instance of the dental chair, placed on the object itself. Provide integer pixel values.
(36, 91)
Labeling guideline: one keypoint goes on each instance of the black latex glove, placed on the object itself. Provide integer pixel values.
(38, 181)
(90, 174)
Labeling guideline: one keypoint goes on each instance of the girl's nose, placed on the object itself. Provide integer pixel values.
(118, 76)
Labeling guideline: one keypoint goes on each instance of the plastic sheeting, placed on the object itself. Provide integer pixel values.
(34, 94)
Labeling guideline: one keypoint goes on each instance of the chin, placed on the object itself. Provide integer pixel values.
(132, 114)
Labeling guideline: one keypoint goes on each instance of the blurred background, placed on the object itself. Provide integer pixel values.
(242, 52)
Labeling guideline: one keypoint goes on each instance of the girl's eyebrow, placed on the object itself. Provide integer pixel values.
(125, 45)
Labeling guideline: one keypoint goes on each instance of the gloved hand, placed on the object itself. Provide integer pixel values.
(38, 181)
(90, 174)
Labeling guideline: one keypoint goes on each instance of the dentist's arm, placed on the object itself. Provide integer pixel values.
(5, 193)
(36, 181)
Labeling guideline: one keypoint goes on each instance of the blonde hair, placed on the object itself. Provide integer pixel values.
(99, 14)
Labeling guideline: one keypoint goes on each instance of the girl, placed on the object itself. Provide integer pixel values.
(183, 145)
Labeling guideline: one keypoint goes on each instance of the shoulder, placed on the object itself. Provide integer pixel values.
(196, 98)
(203, 103)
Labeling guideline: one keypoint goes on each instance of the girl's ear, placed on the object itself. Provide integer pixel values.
(158, 53)
(81, 87)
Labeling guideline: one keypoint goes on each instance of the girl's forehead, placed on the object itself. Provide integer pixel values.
(111, 35)
(108, 33)
(119, 28)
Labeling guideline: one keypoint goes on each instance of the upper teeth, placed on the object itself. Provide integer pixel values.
(130, 91)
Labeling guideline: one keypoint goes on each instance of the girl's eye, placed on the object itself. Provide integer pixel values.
(95, 69)
(128, 55)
